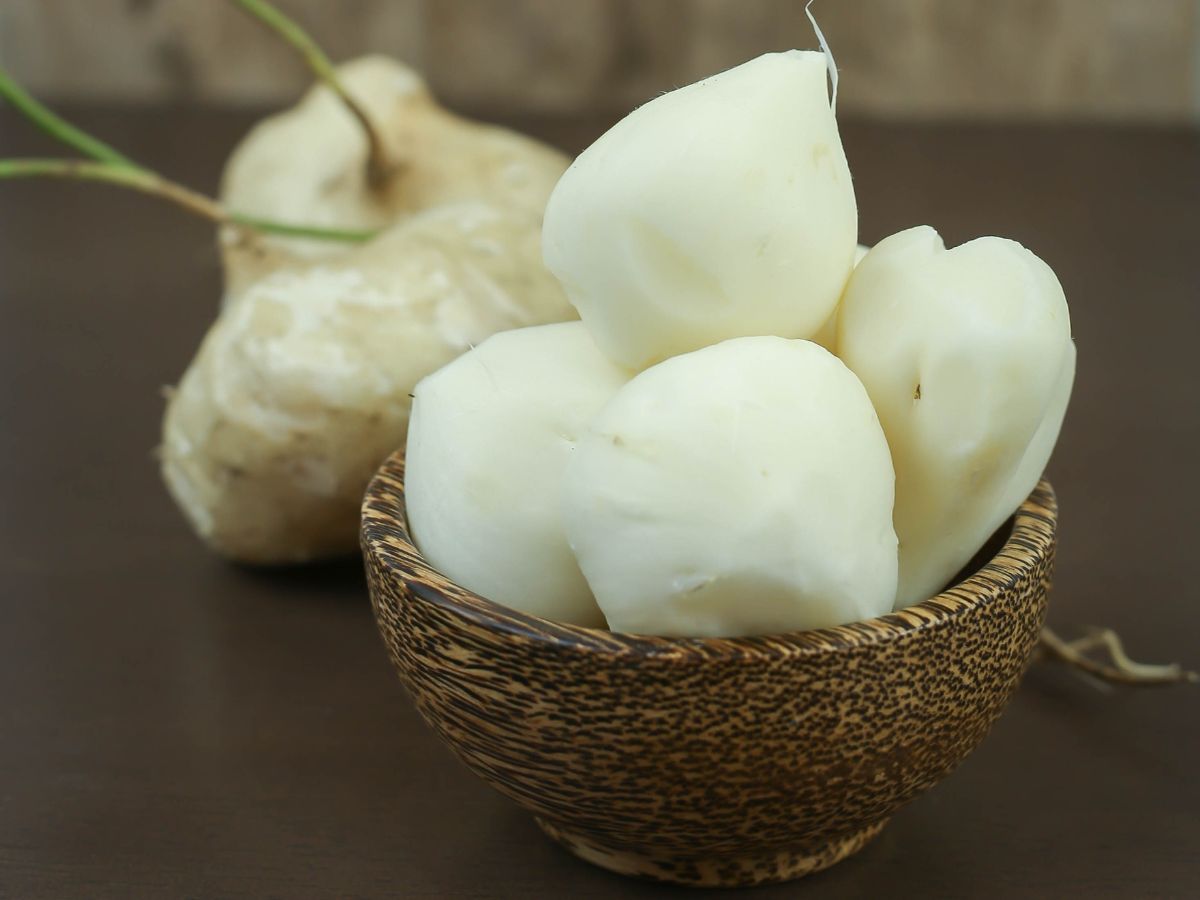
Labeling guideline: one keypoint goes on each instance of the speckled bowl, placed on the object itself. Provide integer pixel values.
(702, 761)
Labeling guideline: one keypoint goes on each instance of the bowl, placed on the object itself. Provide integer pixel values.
(715, 762)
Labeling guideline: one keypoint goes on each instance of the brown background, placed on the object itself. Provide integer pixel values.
(172, 726)
(1107, 59)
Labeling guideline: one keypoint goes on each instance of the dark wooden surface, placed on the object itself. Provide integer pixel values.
(171, 726)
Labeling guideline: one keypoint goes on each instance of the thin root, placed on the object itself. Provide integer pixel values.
(1119, 668)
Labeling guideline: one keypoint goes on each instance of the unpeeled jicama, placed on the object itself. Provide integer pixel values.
(721, 209)
(745, 488)
(301, 387)
(490, 436)
(968, 359)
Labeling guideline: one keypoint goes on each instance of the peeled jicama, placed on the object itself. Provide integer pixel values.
(967, 357)
(490, 436)
(301, 387)
(745, 488)
(721, 209)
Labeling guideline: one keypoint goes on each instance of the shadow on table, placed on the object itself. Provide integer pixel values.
(336, 581)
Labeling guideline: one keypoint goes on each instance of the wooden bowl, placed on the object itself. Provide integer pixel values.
(708, 761)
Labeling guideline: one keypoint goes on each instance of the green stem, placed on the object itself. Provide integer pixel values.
(109, 165)
(284, 229)
(379, 166)
(58, 128)
(147, 182)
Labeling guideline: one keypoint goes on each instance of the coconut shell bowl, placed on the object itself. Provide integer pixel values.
(705, 761)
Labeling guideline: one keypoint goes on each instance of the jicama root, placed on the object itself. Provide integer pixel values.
(967, 357)
(276, 476)
(721, 209)
(745, 488)
(491, 436)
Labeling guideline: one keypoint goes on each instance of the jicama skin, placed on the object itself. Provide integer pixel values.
(490, 436)
(741, 489)
(968, 359)
(301, 387)
(308, 164)
(719, 210)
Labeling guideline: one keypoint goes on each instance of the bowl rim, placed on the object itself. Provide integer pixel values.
(387, 544)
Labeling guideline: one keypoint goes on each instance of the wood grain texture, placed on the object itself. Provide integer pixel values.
(710, 762)
(173, 726)
(1107, 59)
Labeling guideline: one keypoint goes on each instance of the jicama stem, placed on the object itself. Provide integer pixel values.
(379, 166)
(57, 127)
(112, 166)
(148, 182)
(1122, 670)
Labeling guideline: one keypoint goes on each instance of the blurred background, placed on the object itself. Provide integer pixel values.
(176, 727)
(1106, 60)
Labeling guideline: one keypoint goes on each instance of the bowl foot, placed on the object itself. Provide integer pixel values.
(715, 871)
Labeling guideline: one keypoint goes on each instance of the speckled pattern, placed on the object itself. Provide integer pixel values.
(702, 761)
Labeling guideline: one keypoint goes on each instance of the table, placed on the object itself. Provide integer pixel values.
(173, 726)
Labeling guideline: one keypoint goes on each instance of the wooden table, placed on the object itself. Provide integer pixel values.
(172, 726)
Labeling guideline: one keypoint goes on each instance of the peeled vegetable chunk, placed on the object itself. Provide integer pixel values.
(721, 209)
(301, 387)
(742, 489)
(490, 436)
(967, 356)
(308, 164)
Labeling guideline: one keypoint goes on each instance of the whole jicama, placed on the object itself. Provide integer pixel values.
(741, 489)
(490, 437)
(719, 210)
(301, 387)
(968, 359)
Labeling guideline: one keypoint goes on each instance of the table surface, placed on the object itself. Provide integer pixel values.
(171, 725)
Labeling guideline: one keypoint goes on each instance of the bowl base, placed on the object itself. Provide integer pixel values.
(714, 871)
